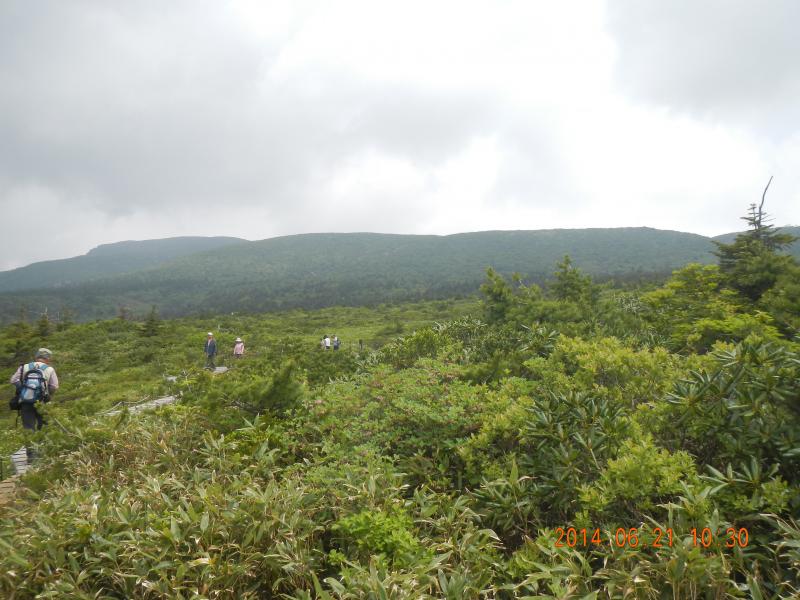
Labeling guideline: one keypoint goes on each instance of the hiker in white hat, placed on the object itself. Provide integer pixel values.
(210, 350)
(35, 383)
(238, 348)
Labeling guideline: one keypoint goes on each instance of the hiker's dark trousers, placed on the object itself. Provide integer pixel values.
(31, 419)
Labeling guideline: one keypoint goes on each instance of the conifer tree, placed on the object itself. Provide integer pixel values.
(499, 297)
(571, 283)
(753, 263)
(66, 319)
(20, 351)
(152, 323)
(43, 325)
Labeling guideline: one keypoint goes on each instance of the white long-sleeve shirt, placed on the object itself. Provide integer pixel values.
(48, 372)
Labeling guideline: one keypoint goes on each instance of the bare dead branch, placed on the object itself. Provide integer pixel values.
(763, 197)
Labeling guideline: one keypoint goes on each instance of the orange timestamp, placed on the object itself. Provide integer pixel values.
(633, 537)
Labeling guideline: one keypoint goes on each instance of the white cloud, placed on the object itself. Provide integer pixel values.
(149, 120)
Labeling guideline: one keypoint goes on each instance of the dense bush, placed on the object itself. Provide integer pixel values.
(491, 455)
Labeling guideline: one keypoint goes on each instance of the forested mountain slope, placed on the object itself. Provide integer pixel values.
(315, 270)
(107, 259)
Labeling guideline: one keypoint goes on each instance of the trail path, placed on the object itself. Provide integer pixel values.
(20, 458)
(20, 461)
(136, 408)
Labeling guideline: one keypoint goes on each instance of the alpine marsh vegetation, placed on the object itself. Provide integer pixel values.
(492, 451)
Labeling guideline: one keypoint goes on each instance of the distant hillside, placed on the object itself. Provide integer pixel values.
(317, 270)
(105, 260)
(727, 238)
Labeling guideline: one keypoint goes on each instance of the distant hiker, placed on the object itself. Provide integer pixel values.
(210, 350)
(238, 348)
(336, 342)
(361, 345)
(35, 383)
(322, 343)
(327, 341)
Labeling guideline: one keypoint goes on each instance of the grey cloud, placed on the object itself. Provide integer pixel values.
(534, 172)
(108, 110)
(727, 60)
(124, 108)
(425, 126)
(129, 111)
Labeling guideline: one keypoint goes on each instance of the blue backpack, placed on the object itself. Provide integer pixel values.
(33, 386)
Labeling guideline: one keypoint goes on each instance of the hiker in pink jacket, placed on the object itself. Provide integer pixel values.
(238, 348)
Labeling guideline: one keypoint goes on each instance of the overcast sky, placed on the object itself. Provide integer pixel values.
(148, 119)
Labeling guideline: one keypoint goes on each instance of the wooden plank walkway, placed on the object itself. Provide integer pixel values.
(7, 488)
(20, 458)
(20, 461)
(136, 408)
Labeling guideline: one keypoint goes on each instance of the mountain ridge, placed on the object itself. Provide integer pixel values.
(107, 259)
(314, 270)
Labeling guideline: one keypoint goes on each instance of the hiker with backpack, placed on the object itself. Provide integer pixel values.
(35, 383)
(210, 351)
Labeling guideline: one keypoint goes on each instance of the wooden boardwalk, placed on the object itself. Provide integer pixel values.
(20, 462)
(20, 458)
(144, 405)
(7, 488)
